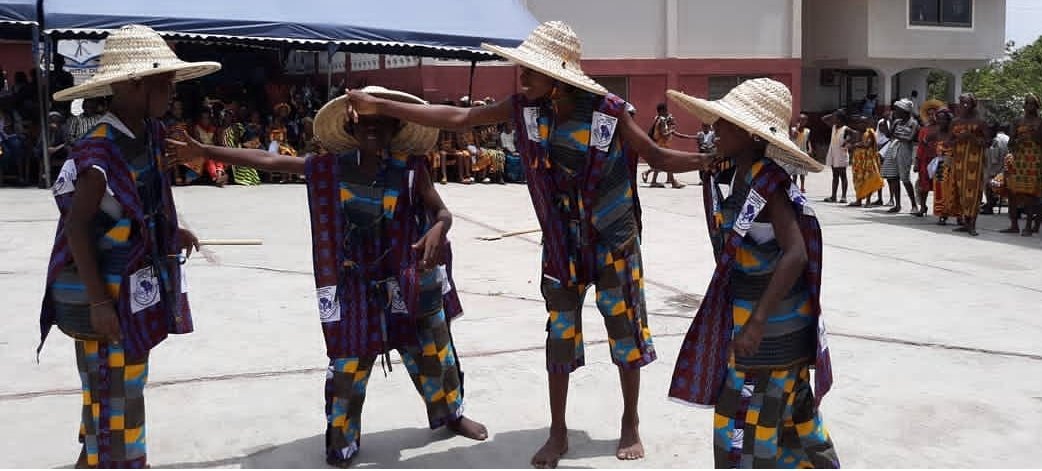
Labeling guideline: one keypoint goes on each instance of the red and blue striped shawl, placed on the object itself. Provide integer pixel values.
(702, 363)
(146, 328)
(544, 183)
(349, 307)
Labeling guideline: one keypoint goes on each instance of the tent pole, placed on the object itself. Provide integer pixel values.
(39, 56)
(470, 88)
(330, 53)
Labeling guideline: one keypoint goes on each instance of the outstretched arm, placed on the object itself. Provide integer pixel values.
(668, 160)
(437, 116)
(186, 146)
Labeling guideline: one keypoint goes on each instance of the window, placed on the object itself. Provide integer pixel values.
(719, 85)
(948, 13)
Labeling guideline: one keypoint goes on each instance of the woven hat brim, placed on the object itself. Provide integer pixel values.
(330, 119)
(710, 111)
(575, 78)
(102, 86)
(932, 104)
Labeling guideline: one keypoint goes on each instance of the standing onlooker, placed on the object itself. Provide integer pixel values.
(93, 110)
(964, 189)
(995, 160)
(900, 154)
(838, 157)
(1023, 173)
(662, 131)
(800, 135)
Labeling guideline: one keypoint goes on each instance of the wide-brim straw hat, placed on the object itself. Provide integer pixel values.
(763, 107)
(928, 106)
(330, 120)
(552, 49)
(133, 52)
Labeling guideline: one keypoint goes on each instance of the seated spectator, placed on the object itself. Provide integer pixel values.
(513, 169)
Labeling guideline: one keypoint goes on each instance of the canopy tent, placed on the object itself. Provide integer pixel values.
(453, 29)
(17, 19)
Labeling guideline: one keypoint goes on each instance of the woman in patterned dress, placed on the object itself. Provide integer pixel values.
(1023, 176)
(964, 182)
(941, 148)
(864, 163)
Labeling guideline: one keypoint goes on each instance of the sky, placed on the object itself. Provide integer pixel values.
(1023, 21)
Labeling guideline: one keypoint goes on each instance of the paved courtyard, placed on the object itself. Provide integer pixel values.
(935, 340)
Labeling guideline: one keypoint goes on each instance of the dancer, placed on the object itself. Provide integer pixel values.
(115, 280)
(758, 331)
(579, 145)
(382, 263)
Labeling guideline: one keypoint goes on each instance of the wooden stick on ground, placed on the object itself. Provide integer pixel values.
(510, 234)
(231, 242)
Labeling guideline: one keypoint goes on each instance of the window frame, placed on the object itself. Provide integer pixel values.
(940, 23)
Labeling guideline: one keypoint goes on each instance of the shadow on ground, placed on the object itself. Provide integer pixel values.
(384, 449)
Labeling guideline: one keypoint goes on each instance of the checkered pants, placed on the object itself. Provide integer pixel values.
(433, 366)
(620, 299)
(768, 419)
(112, 428)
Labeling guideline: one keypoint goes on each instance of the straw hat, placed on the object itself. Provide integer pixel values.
(329, 125)
(761, 106)
(928, 106)
(133, 52)
(552, 49)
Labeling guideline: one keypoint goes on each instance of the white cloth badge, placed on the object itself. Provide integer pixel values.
(602, 130)
(328, 306)
(797, 196)
(394, 290)
(273, 147)
(443, 278)
(184, 280)
(531, 115)
(752, 207)
(66, 181)
(823, 343)
(144, 290)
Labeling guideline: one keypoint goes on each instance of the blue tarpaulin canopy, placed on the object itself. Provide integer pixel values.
(454, 28)
(18, 12)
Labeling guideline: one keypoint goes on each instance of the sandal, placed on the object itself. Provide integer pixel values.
(656, 185)
(830, 199)
(894, 210)
(843, 201)
(942, 222)
(856, 204)
(1010, 230)
(961, 229)
(1026, 233)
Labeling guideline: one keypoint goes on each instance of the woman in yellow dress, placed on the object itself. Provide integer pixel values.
(1023, 177)
(964, 182)
(864, 163)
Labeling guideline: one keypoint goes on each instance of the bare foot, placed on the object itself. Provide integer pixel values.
(630, 446)
(552, 451)
(468, 428)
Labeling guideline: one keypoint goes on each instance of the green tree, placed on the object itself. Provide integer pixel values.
(1002, 84)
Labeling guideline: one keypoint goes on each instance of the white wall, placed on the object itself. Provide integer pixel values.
(616, 29)
(834, 30)
(890, 36)
(610, 29)
(734, 29)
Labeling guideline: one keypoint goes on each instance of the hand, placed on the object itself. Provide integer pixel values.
(429, 247)
(747, 343)
(181, 148)
(104, 321)
(359, 103)
(188, 241)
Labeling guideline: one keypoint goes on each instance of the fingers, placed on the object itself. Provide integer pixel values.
(176, 143)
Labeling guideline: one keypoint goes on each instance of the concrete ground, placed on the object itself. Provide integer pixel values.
(934, 336)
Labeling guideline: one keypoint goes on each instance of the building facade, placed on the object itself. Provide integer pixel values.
(831, 53)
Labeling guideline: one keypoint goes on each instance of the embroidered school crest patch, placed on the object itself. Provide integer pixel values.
(531, 115)
(144, 290)
(752, 207)
(602, 129)
(328, 307)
